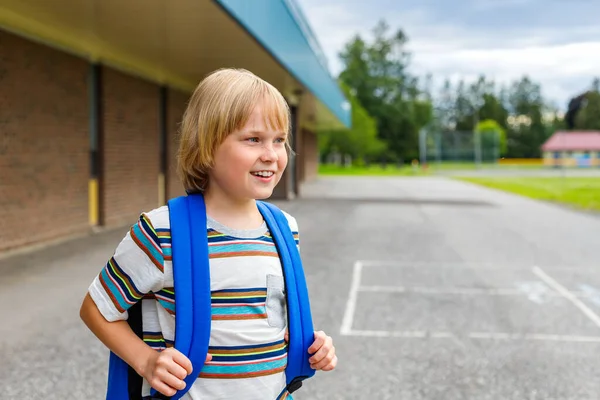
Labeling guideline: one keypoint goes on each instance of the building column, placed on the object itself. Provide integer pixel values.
(163, 134)
(95, 131)
(294, 159)
(288, 186)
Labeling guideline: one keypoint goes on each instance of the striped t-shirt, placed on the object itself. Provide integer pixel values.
(249, 321)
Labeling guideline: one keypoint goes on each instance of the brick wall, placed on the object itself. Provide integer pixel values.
(131, 147)
(44, 145)
(176, 106)
(44, 165)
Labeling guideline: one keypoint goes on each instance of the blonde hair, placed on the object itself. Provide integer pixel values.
(221, 104)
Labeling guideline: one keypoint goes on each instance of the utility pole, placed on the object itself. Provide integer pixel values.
(423, 146)
(477, 139)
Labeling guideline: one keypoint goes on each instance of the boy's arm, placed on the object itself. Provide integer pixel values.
(322, 350)
(117, 336)
(135, 269)
(164, 371)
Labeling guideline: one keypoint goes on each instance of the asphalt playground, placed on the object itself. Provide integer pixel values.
(431, 288)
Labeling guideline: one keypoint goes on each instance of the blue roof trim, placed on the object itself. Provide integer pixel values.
(281, 28)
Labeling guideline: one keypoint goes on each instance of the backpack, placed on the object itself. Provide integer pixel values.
(191, 275)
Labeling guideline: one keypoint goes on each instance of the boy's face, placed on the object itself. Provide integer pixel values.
(250, 161)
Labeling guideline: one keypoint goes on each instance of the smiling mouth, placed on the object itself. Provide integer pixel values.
(263, 174)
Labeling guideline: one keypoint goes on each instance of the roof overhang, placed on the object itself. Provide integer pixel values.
(280, 27)
(176, 43)
(573, 141)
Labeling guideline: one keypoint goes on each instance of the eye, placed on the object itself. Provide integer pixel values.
(280, 140)
(253, 139)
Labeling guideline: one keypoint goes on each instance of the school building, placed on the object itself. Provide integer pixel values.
(572, 149)
(92, 91)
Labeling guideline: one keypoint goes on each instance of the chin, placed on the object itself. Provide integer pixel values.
(261, 192)
(263, 195)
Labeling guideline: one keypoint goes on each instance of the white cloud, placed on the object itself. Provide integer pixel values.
(334, 25)
(555, 67)
(487, 5)
(555, 42)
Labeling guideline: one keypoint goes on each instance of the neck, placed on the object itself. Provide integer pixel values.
(231, 212)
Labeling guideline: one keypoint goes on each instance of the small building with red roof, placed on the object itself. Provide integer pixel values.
(572, 149)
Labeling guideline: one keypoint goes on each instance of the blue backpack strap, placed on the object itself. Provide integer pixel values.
(300, 325)
(191, 274)
(118, 375)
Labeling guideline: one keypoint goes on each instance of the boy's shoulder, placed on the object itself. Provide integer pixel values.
(290, 219)
(159, 217)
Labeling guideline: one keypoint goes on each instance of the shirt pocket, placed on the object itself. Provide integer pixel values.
(276, 302)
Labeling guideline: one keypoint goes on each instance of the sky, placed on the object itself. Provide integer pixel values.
(555, 42)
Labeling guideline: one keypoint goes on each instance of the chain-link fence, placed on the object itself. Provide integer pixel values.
(459, 147)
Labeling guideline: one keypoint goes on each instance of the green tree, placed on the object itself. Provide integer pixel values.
(588, 118)
(377, 73)
(360, 142)
(445, 118)
(493, 109)
(527, 131)
(478, 102)
(493, 139)
(464, 109)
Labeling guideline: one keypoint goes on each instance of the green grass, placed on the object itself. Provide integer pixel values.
(583, 193)
(407, 170)
(373, 170)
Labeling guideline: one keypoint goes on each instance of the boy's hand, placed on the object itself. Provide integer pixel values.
(323, 352)
(166, 370)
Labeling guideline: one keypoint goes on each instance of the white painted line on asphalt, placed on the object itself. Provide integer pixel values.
(475, 335)
(467, 265)
(401, 334)
(460, 291)
(535, 336)
(384, 263)
(351, 303)
(441, 290)
(566, 294)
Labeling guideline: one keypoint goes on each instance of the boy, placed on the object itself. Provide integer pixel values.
(233, 149)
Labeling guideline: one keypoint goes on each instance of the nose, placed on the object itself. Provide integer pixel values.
(269, 154)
